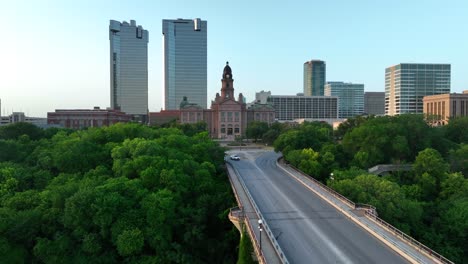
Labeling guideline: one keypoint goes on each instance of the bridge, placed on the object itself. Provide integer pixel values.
(383, 169)
(304, 221)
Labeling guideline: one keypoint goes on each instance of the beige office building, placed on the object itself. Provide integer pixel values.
(438, 109)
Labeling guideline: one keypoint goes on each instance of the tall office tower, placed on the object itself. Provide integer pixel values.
(351, 97)
(314, 78)
(407, 83)
(374, 103)
(185, 62)
(129, 68)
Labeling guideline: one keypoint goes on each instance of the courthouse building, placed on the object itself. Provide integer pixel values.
(228, 116)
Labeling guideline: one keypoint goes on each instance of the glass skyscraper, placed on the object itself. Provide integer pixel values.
(129, 68)
(351, 98)
(185, 62)
(314, 78)
(407, 83)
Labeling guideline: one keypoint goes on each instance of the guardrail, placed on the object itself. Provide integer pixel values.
(268, 231)
(371, 213)
(408, 238)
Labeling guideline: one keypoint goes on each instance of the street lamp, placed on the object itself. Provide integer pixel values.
(331, 176)
(260, 227)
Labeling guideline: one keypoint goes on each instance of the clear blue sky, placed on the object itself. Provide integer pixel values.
(55, 54)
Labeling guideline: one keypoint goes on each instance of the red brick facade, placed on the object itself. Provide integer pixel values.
(83, 118)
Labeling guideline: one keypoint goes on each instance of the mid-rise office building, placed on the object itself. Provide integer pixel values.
(351, 98)
(129, 68)
(185, 62)
(374, 103)
(438, 109)
(407, 83)
(314, 78)
(291, 107)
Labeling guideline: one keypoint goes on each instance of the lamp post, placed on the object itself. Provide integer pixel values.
(260, 227)
(331, 176)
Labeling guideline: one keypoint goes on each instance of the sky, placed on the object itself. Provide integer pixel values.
(54, 54)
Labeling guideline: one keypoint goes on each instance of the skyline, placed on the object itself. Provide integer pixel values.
(59, 51)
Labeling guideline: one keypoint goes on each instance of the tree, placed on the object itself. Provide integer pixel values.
(256, 130)
(307, 135)
(459, 160)
(130, 242)
(15, 130)
(457, 128)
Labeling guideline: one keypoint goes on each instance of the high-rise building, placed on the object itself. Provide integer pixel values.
(374, 103)
(351, 98)
(185, 62)
(407, 83)
(314, 78)
(129, 68)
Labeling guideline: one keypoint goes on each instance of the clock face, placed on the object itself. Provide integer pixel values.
(227, 75)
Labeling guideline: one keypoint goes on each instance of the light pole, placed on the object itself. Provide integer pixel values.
(331, 176)
(260, 227)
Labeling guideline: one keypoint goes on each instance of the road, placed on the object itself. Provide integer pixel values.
(308, 229)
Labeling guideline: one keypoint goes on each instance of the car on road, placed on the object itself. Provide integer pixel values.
(235, 157)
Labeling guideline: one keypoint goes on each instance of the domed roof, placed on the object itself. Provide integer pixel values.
(227, 71)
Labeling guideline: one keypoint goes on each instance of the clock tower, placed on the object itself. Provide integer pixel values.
(227, 88)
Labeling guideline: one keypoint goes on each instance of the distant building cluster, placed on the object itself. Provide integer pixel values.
(409, 88)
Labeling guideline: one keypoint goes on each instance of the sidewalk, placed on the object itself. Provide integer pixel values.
(390, 239)
(268, 253)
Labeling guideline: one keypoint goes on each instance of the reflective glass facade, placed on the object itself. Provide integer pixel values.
(407, 83)
(351, 98)
(129, 68)
(314, 78)
(185, 62)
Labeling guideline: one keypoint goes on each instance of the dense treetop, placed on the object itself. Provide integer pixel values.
(125, 193)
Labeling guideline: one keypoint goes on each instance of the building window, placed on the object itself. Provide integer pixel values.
(229, 129)
(236, 129)
(257, 116)
(229, 118)
(199, 117)
(462, 110)
(223, 129)
(443, 109)
(236, 116)
(454, 108)
(223, 117)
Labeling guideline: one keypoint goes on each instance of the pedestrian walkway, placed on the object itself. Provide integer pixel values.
(391, 239)
(267, 253)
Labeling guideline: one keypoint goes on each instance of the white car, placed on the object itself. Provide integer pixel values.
(235, 157)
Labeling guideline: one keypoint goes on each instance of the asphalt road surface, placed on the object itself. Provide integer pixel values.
(308, 229)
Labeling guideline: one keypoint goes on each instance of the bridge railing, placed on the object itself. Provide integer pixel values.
(267, 229)
(408, 239)
(323, 186)
(371, 212)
